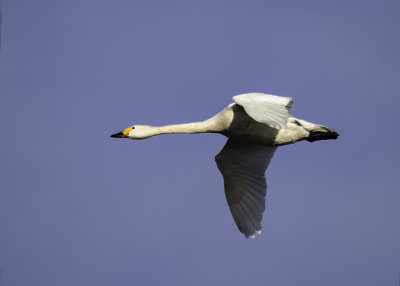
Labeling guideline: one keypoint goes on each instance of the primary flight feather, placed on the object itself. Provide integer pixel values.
(255, 124)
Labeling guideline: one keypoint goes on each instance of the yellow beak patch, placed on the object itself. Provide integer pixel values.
(127, 130)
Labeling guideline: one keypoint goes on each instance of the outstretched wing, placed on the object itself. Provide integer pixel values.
(243, 165)
(266, 108)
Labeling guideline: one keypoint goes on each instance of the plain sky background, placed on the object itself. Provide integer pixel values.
(80, 208)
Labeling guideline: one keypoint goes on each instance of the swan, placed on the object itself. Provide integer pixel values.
(255, 124)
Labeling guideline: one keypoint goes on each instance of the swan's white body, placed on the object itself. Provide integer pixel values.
(255, 125)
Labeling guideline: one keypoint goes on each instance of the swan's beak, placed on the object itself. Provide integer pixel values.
(119, 135)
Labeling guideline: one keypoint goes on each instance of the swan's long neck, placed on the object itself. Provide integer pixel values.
(212, 125)
(193, 127)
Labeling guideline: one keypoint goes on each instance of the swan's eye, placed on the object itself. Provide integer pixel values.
(133, 127)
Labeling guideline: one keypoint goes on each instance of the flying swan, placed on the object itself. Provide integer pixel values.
(255, 124)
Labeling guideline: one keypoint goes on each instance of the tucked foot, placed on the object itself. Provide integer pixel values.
(322, 133)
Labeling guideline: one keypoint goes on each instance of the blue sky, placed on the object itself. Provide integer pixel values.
(79, 208)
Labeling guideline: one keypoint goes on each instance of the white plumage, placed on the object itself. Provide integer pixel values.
(255, 125)
(255, 105)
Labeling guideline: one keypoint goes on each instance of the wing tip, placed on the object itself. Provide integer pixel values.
(253, 235)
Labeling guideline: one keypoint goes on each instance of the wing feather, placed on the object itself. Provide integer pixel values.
(243, 166)
(266, 108)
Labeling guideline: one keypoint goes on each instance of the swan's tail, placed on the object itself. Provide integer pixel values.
(317, 132)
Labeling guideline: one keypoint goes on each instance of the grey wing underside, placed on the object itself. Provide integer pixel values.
(243, 166)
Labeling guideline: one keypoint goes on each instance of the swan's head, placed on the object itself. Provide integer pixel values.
(135, 132)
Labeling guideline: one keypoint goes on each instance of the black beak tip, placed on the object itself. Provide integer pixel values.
(118, 135)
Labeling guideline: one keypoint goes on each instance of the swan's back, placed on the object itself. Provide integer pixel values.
(244, 128)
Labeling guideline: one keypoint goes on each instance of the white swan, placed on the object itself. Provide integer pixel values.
(255, 125)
